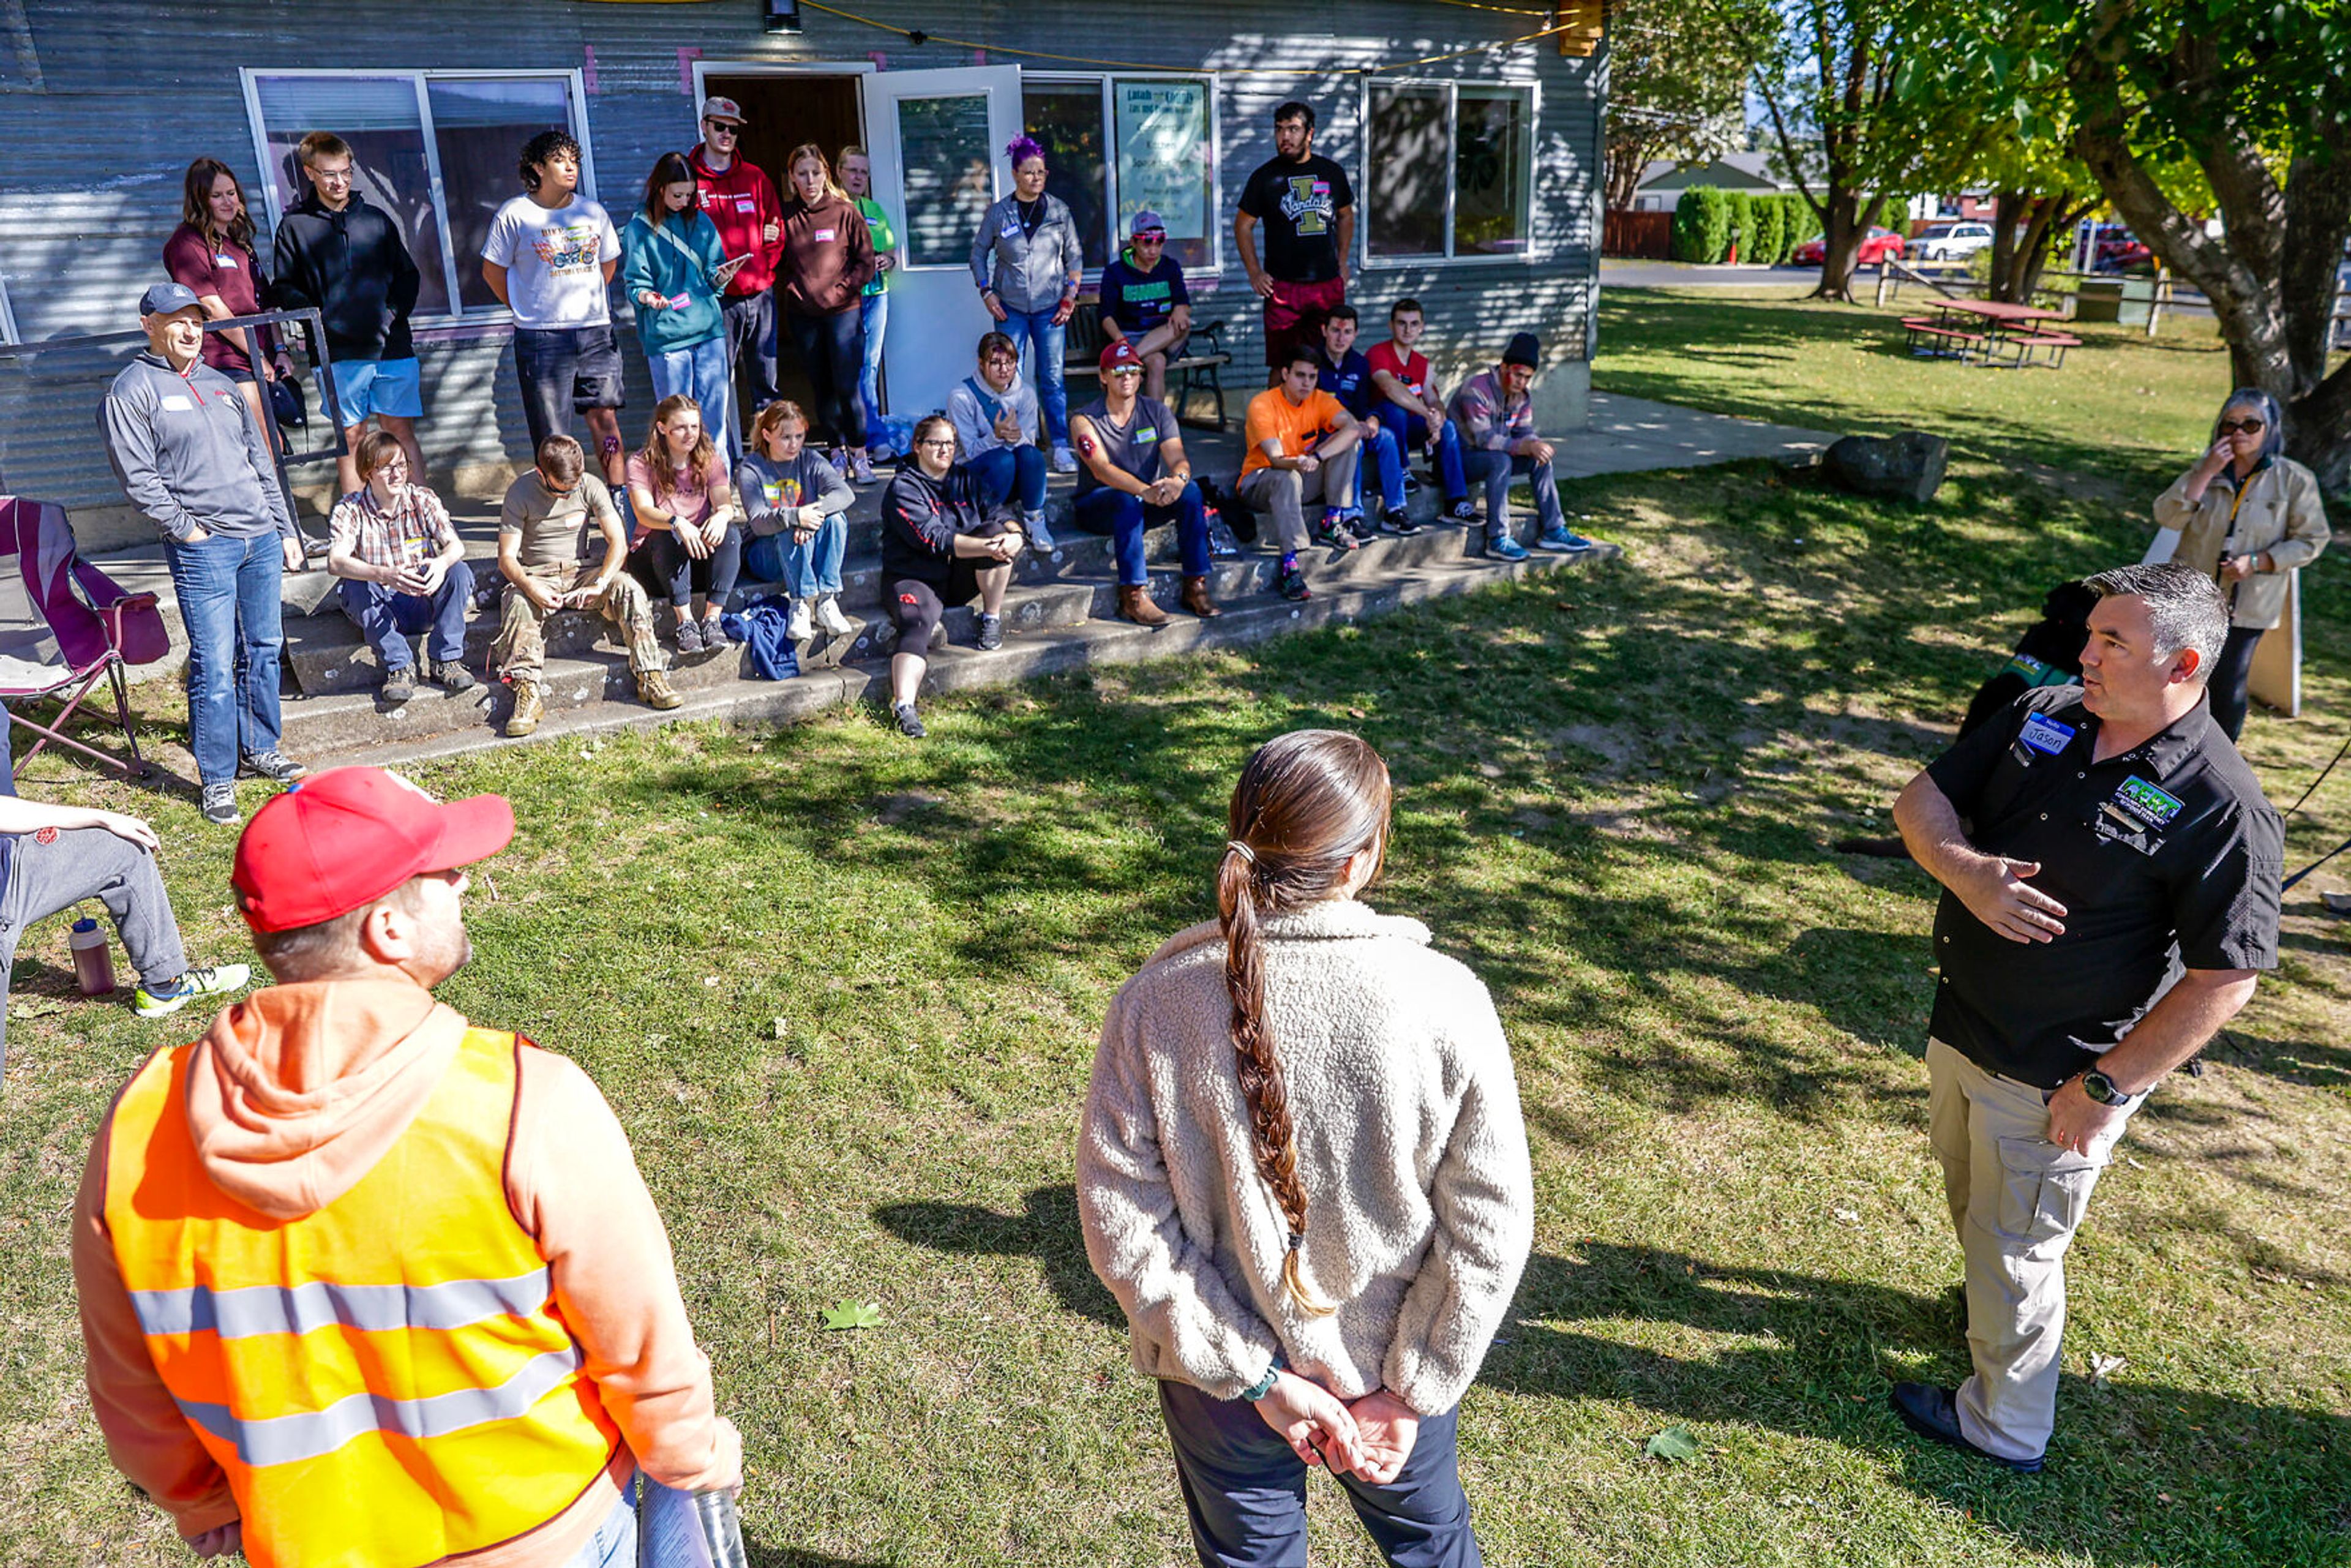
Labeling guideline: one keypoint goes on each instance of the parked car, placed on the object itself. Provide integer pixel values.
(1953, 242)
(2118, 250)
(1879, 243)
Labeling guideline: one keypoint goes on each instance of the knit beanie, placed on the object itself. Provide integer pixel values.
(1523, 351)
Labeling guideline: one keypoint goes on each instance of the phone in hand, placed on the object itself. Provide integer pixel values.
(728, 268)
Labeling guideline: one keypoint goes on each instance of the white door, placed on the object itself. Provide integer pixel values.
(936, 139)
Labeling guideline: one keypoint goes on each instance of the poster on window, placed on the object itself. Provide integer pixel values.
(1162, 155)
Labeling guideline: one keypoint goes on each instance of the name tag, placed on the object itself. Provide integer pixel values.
(2045, 734)
(1146, 433)
(1011, 229)
(746, 203)
(2152, 806)
(175, 403)
(824, 236)
(679, 301)
(224, 259)
(1322, 187)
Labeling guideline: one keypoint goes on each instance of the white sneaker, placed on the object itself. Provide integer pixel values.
(1033, 524)
(795, 624)
(829, 616)
(1064, 460)
(860, 467)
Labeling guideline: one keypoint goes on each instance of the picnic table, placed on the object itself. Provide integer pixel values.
(1988, 332)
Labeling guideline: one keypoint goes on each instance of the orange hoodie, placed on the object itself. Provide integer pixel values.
(293, 1094)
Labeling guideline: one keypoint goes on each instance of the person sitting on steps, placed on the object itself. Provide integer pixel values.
(1401, 373)
(402, 567)
(1346, 375)
(995, 415)
(1133, 475)
(561, 548)
(685, 520)
(938, 549)
(1302, 446)
(796, 506)
(1496, 414)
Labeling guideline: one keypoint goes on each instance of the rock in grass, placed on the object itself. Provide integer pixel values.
(1904, 468)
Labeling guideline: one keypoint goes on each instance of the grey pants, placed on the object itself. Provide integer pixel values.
(1284, 492)
(1496, 469)
(89, 862)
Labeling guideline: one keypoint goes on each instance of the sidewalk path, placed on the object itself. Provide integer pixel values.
(1631, 434)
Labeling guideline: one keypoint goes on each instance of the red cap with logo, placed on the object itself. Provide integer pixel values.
(1120, 353)
(342, 839)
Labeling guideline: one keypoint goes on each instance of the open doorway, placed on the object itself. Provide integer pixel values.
(781, 109)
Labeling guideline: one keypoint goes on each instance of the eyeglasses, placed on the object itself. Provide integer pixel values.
(2231, 426)
(944, 444)
(1003, 358)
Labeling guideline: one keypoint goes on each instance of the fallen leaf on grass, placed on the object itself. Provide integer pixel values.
(2103, 1367)
(35, 1007)
(852, 1315)
(1673, 1444)
(781, 1028)
(1850, 1216)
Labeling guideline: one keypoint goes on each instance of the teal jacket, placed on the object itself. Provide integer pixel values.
(652, 262)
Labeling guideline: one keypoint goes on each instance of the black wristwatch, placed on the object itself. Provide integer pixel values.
(2101, 1087)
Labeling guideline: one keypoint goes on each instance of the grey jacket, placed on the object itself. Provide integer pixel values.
(188, 453)
(771, 493)
(1030, 272)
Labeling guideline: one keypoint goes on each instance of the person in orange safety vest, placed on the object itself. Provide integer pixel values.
(364, 1285)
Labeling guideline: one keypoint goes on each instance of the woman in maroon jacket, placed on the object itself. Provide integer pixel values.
(212, 252)
(828, 261)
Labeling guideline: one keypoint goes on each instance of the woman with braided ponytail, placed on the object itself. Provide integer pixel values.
(1302, 1172)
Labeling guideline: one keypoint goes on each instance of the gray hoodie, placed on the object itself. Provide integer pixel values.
(188, 453)
(1031, 272)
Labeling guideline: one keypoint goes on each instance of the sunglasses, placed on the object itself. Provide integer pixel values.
(721, 128)
(1126, 370)
(1152, 236)
(2249, 426)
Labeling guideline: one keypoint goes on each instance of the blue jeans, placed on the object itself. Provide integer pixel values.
(1246, 1492)
(1386, 454)
(701, 371)
(227, 589)
(1448, 448)
(805, 570)
(1125, 517)
(388, 618)
(873, 320)
(665, 1519)
(1011, 473)
(1034, 330)
(1495, 469)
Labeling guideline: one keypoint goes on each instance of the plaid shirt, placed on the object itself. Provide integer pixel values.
(412, 532)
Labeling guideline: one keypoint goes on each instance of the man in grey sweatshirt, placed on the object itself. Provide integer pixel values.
(189, 454)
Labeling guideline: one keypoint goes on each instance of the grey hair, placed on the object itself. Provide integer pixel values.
(2184, 604)
(2273, 418)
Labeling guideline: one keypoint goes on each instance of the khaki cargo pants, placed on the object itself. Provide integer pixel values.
(1283, 493)
(2016, 1200)
(520, 652)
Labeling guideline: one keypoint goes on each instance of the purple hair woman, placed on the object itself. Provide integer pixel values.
(1027, 260)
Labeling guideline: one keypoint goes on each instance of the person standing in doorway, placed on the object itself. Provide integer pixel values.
(672, 274)
(1144, 302)
(347, 260)
(551, 258)
(874, 304)
(191, 456)
(828, 261)
(739, 200)
(1307, 210)
(1027, 260)
(212, 252)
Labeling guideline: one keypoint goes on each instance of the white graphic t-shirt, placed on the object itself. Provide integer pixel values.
(555, 261)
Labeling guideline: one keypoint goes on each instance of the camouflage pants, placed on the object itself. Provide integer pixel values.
(520, 652)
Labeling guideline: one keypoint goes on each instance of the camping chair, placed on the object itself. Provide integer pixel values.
(65, 626)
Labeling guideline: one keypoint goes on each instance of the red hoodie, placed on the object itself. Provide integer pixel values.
(742, 204)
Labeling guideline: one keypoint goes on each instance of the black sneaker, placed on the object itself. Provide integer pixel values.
(1334, 534)
(991, 633)
(910, 723)
(1463, 510)
(1411, 482)
(1361, 527)
(1932, 1413)
(273, 766)
(1292, 584)
(400, 685)
(1396, 520)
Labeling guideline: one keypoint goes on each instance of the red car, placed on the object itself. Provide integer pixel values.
(2118, 250)
(1880, 244)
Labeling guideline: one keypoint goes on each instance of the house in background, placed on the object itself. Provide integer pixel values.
(1476, 165)
(1663, 181)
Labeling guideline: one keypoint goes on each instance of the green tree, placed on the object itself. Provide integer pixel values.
(1676, 74)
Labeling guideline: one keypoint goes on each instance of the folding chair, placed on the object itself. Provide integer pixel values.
(65, 626)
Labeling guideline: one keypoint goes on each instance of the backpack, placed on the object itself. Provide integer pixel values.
(760, 629)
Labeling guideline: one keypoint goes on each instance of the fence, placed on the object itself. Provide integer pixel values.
(1648, 236)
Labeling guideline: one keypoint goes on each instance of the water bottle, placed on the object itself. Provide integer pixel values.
(93, 961)
(721, 1530)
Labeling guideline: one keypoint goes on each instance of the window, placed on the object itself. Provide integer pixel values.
(942, 150)
(435, 150)
(1447, 169)
(1115, 146)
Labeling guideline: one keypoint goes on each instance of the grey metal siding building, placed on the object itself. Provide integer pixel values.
(1476, 162)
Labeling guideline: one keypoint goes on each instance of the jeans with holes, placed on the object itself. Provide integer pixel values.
(807, 570)
(1043, 345)
(227, 589)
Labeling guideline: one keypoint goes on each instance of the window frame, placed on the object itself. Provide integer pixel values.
(419, 79)
(1530, 93)
(1106, 81)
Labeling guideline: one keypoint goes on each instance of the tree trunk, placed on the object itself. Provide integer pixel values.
(2004, 205)
(1843, 228)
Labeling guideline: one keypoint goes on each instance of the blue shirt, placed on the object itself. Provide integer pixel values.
(1139, 301)
(1350, 380)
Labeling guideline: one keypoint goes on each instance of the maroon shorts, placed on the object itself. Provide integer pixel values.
(1294, 315)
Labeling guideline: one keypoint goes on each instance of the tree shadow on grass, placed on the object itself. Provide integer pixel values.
(1046, 1229)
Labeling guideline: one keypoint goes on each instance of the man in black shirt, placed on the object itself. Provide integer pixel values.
(2110, 872)
(1309, 212)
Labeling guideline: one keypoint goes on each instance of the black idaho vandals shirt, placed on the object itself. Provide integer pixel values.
(2165, 856)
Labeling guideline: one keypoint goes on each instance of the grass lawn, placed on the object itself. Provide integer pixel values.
(844, 990)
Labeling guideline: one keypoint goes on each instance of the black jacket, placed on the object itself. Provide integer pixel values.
(920, 519)
(355, 268)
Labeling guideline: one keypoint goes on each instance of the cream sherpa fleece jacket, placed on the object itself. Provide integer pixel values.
(1420, 1204)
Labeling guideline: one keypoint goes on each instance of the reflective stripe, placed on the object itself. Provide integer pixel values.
(298, 1309)
(284, 1440)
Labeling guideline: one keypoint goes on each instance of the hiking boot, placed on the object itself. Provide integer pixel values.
(1560, 540)
(1332, 531)
(910, 723)
(1134, 604)
(1397, 521)
(653, 690)
(400, 685)
(274, 766)
(1197, 600)
(531, 706)
(1500, 545)
(829, 616)
(220, 805)
(991, 633)
(154, 1002)
(1292, 583)
(1032, 524)
(453, 676)
(1460, 509)
(797, 627)
(689, 636)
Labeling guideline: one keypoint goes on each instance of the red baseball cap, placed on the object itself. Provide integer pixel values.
(1120, 353)
(340, 840)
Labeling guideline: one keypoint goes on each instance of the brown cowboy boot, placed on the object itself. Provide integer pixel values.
(1197, 600)
(1134, 604)
(531, 706)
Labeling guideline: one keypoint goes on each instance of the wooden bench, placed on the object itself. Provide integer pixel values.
(2056, 344)
(1204, 357)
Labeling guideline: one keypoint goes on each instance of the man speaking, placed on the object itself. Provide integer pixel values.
(2110, 887)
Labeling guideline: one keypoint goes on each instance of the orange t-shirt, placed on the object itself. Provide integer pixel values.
(1299, 425)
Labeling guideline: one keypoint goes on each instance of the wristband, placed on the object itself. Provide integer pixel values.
(1264, 1385)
